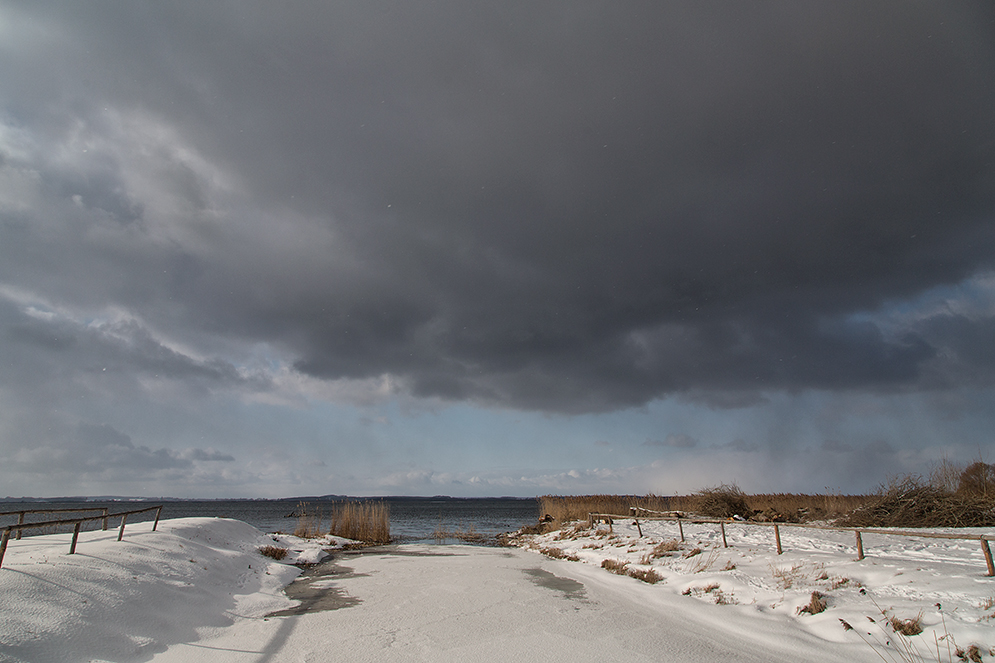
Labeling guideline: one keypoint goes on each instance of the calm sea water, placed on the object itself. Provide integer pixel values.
(412, 519)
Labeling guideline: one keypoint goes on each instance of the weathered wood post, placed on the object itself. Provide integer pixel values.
(988, 556)
(777, 538)
(680, 528)
(3, 543)
(640, 529)
(723, 526)
(860, 545)
(120, 532)
(72, 546)
(104, 523)
(20, 521)
(159, 510)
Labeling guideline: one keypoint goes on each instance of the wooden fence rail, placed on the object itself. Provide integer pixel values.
(73, 521)
(20, 514)
(638, 513)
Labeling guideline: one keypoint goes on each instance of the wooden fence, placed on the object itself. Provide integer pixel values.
(639, 513)
(21, 525)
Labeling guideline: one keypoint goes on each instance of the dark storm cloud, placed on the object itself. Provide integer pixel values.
(563, 206)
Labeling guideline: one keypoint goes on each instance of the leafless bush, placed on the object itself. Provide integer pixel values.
(909, 502)
(722, 501)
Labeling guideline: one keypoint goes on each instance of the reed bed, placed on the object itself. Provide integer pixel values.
(361, 521)
(723, 501)
(308, 521)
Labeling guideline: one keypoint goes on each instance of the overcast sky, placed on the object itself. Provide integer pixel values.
(380, 247)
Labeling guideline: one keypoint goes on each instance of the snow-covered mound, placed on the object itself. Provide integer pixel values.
(125, 600)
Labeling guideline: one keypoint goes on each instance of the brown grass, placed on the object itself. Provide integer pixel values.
(907, 627)
(784, 507)
(615, 566)
(361, 521)
(275, 552)
(646, 575)
(308, 521)
(815, 605)
(558, 553)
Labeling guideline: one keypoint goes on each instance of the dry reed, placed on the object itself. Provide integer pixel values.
(361, 521)
(784, 507)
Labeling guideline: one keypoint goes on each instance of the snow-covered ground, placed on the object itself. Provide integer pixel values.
(199, 590)
(126, 600)
(942, 583)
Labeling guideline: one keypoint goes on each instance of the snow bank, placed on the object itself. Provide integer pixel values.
(126, 600)
(903, 578)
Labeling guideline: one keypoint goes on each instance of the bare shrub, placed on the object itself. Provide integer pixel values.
(646, 575)
(724, 501)
(909, 502)
(977, 480)
(815, 605)
(361, 521)
(275, 552)
(615, 566)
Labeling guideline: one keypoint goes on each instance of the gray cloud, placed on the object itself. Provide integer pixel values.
(568, 208)
(677, 441)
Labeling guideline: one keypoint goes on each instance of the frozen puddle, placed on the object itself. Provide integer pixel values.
(571, 588)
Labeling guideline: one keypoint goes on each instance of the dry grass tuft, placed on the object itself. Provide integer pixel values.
(692, 553)
(308, 522)
(275, 552)
(361, 521)
(664, 548)
(646, 575)
(786, 576)
(907, 627)
(816, 604)
(557, 553)
(615, 566)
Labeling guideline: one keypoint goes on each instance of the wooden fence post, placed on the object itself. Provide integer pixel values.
(120, 532)
(723, 526)
(777, 538)
(159, 510)
(639, 528)
(72, 546)
(988, 556)
(3, 543)
(860, 545)
(104, 528)
(680, 528)
(20, 521)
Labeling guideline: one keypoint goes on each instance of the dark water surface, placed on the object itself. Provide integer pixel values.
(412, 519)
